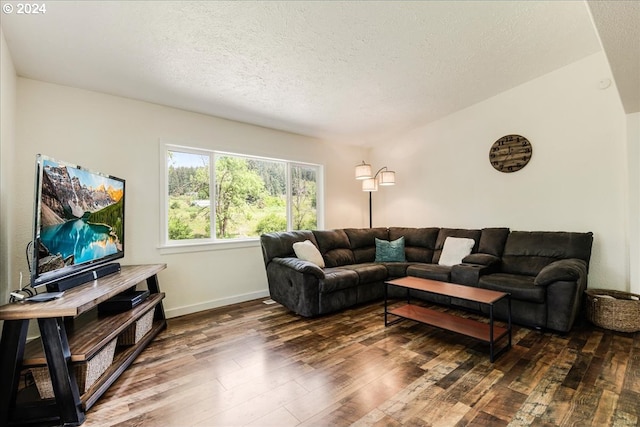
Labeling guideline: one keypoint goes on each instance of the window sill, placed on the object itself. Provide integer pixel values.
(177, 248)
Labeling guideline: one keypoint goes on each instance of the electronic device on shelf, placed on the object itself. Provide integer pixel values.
(78, 225)
(122, 302)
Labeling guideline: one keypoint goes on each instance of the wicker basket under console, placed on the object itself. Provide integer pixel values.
(134, 333)
(86, 372)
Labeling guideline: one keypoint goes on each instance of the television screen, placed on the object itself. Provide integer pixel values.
(79, 220)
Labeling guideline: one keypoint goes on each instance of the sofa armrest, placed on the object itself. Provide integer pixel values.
(301, 266)
(468, 274)
(566, 282)
(481, 259)
(294, 284)
(568, 270)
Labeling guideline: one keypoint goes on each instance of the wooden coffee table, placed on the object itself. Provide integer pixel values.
(489, 333)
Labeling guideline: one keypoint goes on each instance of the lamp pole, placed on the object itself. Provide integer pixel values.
(370, 214)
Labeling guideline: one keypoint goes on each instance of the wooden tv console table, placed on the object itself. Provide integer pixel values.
(489, 333)
(70, 331)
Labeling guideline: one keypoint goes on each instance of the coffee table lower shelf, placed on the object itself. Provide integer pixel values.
(460, 325)
(489, 333)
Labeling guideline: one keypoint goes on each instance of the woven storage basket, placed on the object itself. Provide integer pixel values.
(86, 372)
(620, 313)
(134, 333)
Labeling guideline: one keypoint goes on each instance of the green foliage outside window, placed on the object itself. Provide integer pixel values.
(189, 206)
(240, 192)
(303, 198)
(250, 196)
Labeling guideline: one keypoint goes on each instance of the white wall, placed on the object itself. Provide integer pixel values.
(120, 137)
(576, 179)
(8, 281)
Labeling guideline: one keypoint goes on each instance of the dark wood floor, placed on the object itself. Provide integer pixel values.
(259, 365)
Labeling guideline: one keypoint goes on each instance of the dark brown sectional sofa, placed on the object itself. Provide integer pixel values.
(545, 272)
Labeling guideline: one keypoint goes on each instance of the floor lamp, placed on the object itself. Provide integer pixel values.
(370, 181)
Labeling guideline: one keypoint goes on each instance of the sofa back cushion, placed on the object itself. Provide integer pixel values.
(334, 247)
(363, 242)
(492, 241)
(528, 252)
(454, 232)
(280, 244)
(419, 243)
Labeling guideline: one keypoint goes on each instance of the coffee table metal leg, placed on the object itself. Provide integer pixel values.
(491, 333)
(509, 318)
(385, 303)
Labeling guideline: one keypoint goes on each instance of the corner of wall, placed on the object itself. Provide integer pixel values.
(8, 101)
(633, 156)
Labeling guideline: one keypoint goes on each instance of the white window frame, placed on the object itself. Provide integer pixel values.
(213, 243)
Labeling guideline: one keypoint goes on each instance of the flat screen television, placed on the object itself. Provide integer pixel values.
(79, 221)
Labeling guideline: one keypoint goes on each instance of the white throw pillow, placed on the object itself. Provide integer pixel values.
(307, 251)
(454, 249)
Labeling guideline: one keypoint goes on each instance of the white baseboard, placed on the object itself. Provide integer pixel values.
(207, 305)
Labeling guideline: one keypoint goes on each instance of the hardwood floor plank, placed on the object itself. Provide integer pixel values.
(487, 381)
(559, 409)
(583, 405)
(501, 403)
(539, 399)
(577, 371)
(482, 419)
(252, 409)
(615, 365)
(593, 342)
(259, 365)
(538, 368)
(411, 401)
(629, 402)
(632, 376)
(367, 397)
(605, 409)
(450, 415)
(376, 418)
(278, 418)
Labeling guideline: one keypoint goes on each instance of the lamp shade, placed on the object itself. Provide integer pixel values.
(369, 185)
(387, 178)
(363, 171)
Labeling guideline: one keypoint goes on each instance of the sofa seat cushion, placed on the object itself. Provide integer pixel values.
(396, 269)
(336, 279)
(368, 272)
(519, 286)
(430, 271)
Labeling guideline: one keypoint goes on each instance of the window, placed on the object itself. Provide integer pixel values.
(211, 196)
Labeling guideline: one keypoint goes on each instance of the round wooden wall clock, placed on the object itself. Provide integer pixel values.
(510, 153)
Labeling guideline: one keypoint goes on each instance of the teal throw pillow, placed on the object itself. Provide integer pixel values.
(390, 251)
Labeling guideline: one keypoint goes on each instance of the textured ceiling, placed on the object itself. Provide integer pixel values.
(353, 72)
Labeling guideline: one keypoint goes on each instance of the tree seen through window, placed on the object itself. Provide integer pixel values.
(250, 196)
